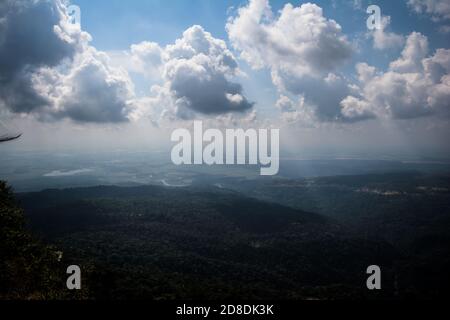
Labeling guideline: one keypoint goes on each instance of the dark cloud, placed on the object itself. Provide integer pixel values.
(323, 95)
(31, 37)
(48, 68)
(206, 90)
(196, 71)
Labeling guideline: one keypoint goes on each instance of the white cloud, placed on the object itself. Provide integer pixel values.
(413, 86)
(437, 67)
(437, 9)
(295, 112)
(93, 91)
(147, 54)
(196, 74)
(365, 72)
(300, 38)
(383, 39)
(416, 49)
(301, 47)
(356, 109)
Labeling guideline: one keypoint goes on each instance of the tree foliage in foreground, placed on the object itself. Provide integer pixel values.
(29, 269)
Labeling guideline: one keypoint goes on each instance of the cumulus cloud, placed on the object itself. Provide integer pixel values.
(321, 95)
(295, 111)
(32, 35)
(47, 67)
(144, 58)
(301, 37)
(93, 91)
(414, 85)
(383, 39)
(146, 55)
(355, 109)
(416, 49)
(301, 47)
(437, 9)
(197, 71)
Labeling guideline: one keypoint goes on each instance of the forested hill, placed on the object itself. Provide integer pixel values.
(173, 243)
(55, 210)
(29, 269)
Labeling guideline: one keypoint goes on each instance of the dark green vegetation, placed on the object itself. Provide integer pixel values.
(28, 268)
(401, 208)
(152, 242)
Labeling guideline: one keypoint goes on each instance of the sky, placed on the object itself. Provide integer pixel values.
(132, 71)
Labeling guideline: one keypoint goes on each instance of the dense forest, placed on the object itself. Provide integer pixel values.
(29, 268)
(153, 242)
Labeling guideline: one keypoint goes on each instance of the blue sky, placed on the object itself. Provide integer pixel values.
(116, 24)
